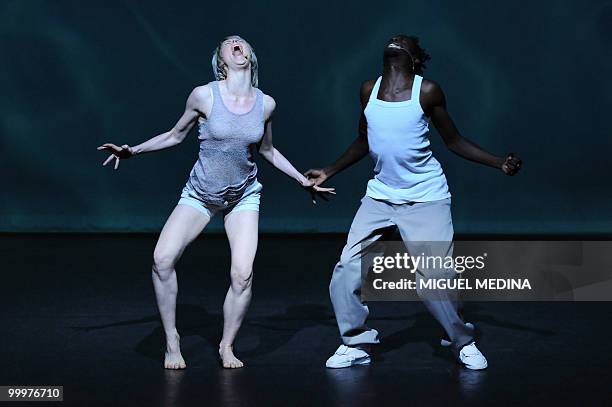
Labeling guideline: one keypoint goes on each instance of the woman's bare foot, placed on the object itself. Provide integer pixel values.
(174, 359)
(228, 359)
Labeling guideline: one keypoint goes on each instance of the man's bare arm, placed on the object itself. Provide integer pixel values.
(433, 101)
(357, 149)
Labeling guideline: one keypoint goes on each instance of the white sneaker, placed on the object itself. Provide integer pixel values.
(445, 342)
(346, 356)
(472, 358)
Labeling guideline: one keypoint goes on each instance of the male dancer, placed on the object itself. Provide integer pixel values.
(408, 192)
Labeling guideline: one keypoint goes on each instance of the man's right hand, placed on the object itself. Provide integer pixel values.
(318, 175)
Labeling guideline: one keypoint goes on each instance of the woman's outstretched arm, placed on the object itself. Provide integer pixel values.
(195, 107)
(274, 157)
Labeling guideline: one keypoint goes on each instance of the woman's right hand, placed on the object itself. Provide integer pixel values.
(117, 153)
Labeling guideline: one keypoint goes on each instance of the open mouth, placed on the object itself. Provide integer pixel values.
(237, 50)
(398, 47)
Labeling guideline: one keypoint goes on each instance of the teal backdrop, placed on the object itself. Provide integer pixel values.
(527, 77)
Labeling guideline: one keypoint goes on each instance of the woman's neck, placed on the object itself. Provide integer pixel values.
(238, 82)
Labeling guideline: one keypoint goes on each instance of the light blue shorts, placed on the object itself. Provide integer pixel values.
(248, 202)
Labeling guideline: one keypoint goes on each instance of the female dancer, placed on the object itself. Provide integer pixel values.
(233, 117)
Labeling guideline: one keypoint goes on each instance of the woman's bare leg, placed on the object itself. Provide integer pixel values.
(242, 229)
(184, 224)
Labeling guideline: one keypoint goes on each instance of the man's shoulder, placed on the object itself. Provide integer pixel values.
(366, 90)
(430, 87)
(367, 86)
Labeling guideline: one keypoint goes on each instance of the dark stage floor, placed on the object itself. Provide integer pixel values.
(79, 311)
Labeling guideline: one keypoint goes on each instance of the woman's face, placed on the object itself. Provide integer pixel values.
(235, 52)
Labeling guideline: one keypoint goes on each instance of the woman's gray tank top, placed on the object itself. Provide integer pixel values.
(225, 166)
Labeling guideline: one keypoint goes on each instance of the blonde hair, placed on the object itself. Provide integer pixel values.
(219, 66)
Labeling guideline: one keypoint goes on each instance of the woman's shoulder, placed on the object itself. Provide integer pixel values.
(268, 100)
(269, 104)
(204, 93)
(205, 88)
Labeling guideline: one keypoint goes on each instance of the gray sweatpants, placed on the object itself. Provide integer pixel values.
(417, 222)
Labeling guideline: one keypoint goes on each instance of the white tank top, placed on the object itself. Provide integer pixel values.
(405, 169)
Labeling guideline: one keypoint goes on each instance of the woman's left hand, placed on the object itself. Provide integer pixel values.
(317, 191)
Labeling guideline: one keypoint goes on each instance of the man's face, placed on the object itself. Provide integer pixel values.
(400, 45)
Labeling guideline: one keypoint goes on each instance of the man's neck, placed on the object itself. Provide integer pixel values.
(397, 76)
